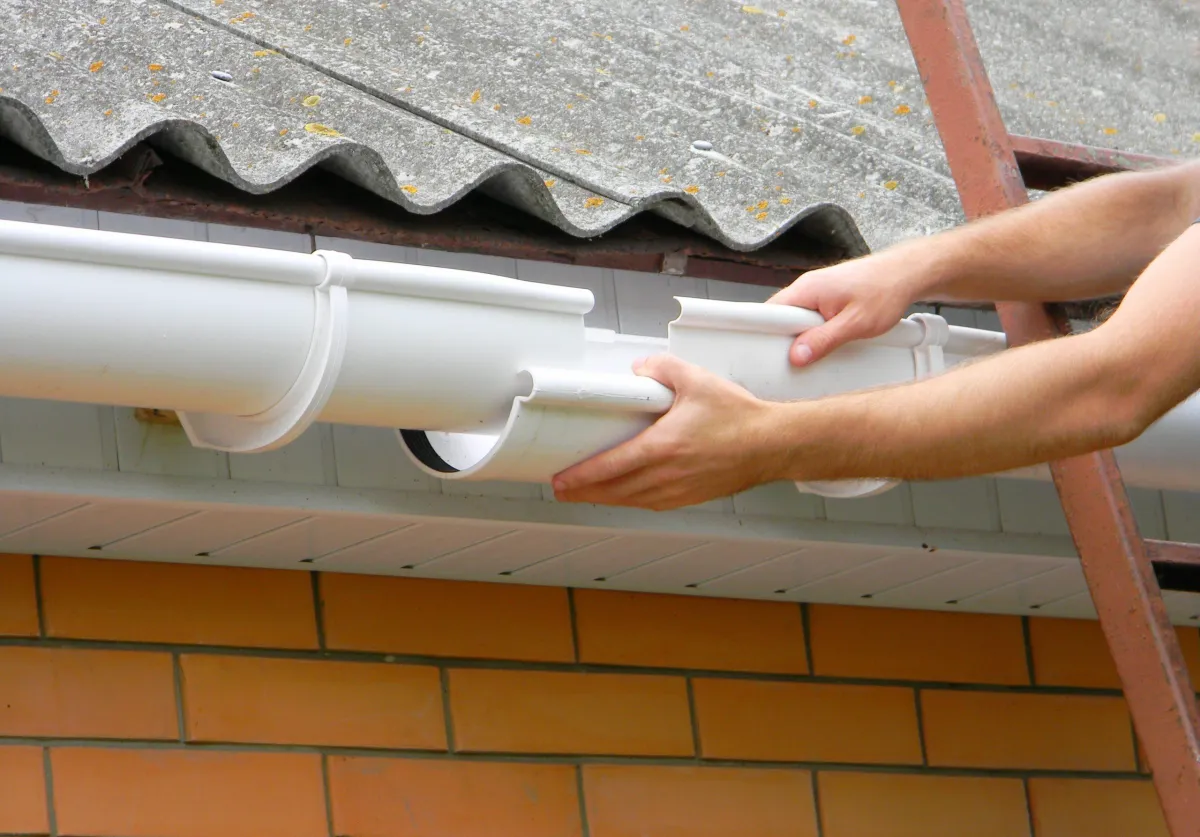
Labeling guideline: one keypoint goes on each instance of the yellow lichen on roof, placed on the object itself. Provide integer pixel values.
(323, 130)
(476, 95)
(95, 66)
(408, 187)
(591, 203)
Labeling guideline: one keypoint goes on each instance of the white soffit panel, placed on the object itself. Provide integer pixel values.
(595, 562)
(504, 555)
(380, 542)
(87, 527)
(307, 539)
(416, 543)
(202, 533)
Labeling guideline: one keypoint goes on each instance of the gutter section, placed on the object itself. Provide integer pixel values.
(484, 377)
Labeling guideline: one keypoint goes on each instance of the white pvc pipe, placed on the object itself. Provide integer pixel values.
(251, 345)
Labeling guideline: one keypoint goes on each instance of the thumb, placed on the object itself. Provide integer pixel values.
(818, 342)
(668, 370)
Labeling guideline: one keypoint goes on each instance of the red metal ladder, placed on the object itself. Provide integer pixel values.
(1120, 567)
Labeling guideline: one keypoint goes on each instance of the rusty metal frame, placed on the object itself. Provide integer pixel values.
(1115, 559)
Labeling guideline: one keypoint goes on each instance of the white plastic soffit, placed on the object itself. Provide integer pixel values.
(487, 378)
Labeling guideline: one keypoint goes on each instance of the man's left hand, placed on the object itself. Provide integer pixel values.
(715, 441)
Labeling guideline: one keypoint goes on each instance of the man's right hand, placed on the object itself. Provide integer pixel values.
(858, 299)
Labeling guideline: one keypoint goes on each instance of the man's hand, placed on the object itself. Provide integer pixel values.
(714, 441)
(859, 299)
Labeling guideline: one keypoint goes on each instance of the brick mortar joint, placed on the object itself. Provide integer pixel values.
(325, 751)
(452, 663)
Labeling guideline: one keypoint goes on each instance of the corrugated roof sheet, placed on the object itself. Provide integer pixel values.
(734, 119)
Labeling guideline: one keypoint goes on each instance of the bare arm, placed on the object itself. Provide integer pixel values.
(1045, 401)
(1024, 406)
(1088, 240)
(1085, 241)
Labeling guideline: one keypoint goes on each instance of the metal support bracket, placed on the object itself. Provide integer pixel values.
(302, 403)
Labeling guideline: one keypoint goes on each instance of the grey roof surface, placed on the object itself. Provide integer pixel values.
(587, 113)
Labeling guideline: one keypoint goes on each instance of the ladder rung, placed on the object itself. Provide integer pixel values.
(1176, 565)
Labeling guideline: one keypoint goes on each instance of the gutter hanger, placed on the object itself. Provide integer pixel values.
(485, 377)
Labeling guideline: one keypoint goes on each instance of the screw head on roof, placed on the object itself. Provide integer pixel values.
(221, 75)
(702, 145)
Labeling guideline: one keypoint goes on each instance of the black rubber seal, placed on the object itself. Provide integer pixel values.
(418, 443)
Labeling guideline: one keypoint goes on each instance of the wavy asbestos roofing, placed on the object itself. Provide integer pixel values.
(737, 120)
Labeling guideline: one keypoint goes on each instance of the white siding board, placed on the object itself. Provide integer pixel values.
(59, 216)
(1147, 505)
(646, 301)
(885, 573)
(598, 280)
(411, 546)
(956, 504)
(144, 225)
(18, 511)
(148, 448)
(371, 457)
(983, 574)
(493, 488)
(54, 434)
(1034, 592)
(794, 569)
(894, 506)
(508, 553)
(779, 499)
(595, 563)
(738, 291)
(703, 563)
(496, 265)
(368, 250)
(1078, 606)
(250, 237)
(1030, 507)
(965, 317)
(1182, 513)
(1182, 607)
(202, 533)
(97, 524)
(305, 461)
(308, 539)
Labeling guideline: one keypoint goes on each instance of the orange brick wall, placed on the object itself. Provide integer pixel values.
(158, 700)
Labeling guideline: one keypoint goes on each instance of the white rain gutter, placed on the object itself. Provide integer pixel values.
(487, 377)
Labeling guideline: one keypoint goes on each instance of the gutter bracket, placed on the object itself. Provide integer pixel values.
(303, 402)
(928, 357)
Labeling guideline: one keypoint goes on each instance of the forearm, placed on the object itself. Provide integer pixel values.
(1086, 241)
(1022, 407)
